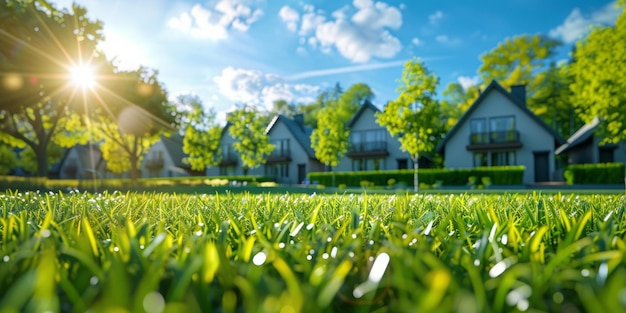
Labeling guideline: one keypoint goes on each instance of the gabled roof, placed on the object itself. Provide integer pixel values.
(580, 136)
(366, 105)
(174, 147)
(302, 134)
(84, 156)
(494, 86)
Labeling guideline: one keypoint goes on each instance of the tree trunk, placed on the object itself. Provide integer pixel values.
(41, 151)
(134, 159)
(416, 182)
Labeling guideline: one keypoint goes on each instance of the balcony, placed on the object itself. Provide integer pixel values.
(494, 140)
(279, 155)
(228, 159)
(367, 149)
(154, 164)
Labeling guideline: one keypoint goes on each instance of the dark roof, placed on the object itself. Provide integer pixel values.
(580, 136)
(301, 133)
(494, 86)
(174, 147)
(84, 156)
(367, 104)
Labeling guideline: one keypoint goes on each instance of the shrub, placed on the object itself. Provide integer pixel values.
(601, 173)
(499, 175)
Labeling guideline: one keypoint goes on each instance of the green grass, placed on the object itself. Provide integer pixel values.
(310, 253)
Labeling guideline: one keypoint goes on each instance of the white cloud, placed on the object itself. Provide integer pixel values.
(358, 32)
(258, 88)
(577, 25)
(467, 81)
(290, 17)
(416, 41)
(434, 18)
(442, 38)
(207, 23)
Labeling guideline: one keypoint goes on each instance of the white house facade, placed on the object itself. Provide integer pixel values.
(499, 129)
(371, 146)
(165, 159)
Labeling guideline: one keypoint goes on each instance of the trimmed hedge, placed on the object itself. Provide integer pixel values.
(42, 183)
(600, 173)
(499, 175)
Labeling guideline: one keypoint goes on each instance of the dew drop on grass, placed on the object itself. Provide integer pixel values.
(558, 297)
(325, 256)
(259, 258)
(603, 271)
(333, 252)
(329, 239)
(353, 236)
(200, 224)
(116, 249)
(311, 251)
(45, 233)
(309, 257)
(523, 305)
(371, 242)
(497, 269)
(281, 245)
(585, 272)
(276, 225)
(93, 280)
(428, 228)
(187, 250)
(477, 262)
(310, 226)
(141, 247)
(504, 239)
(379, 267)
(153, 302)
(404, 236)
(199, 233)
(6, 258)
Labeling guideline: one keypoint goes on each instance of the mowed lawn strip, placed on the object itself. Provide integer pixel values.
(156, 252)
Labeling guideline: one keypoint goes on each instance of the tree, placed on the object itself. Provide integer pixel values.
(516, 61)
(414, 115)
(8, 160)
(598, 78)
(330, 138)
(39, 46)
(251, 141)
(202, 134)
(349, 101)
(284, 108)
(129, 113)
(456, 100)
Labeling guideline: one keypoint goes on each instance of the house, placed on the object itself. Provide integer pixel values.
(81, 162)
(290, 161)
(292, 157)
(165, 159)
(499, 129)
(371, 147)
(584, 147)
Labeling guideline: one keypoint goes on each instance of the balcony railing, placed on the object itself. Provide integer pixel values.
(279, 155)
(499, 137)
(154, 163)
(368, 148)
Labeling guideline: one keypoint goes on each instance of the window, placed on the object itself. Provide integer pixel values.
(368, 140)
(376, 164)
(502, 129)
(606, 155)
(403, 164)
(281, 148)
(502, 158)
(358, 165)
(277, 170)
(480, 159)
(478, 129)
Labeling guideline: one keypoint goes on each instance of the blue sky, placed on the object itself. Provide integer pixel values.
(258, 51)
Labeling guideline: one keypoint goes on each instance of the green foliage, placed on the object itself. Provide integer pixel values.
(598, 71)
(130, 117)
(498, 175)
(251, 141)
(202, 135)
(345, 103)
(8, 159)
(330, 138)
(111, 252)
(29, 159)
(516, 61)
(36, 98)
(414, 115)
(601, 173)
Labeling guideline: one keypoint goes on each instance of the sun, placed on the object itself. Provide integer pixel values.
(83, 76)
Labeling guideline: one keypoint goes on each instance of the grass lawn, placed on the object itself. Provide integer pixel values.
(156, 252)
